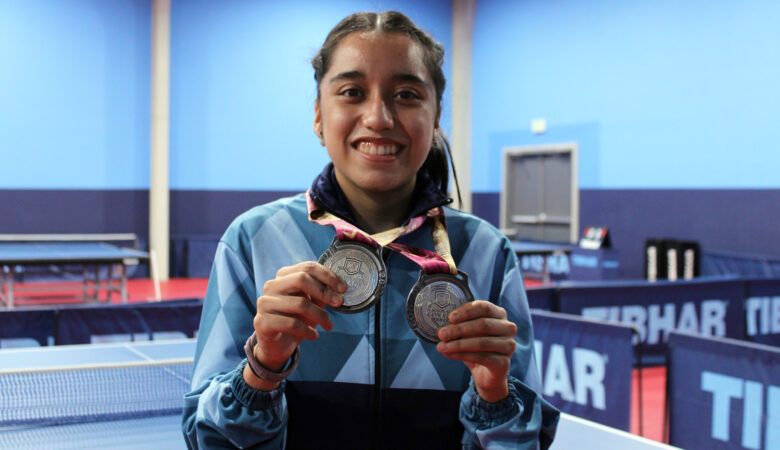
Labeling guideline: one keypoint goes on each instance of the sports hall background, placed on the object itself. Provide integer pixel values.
(675, 107)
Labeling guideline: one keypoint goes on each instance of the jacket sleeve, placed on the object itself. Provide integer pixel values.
(222, 411)
(523, 420)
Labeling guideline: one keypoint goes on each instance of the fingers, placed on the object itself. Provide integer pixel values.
(474, 321)
(478, 330)
(274, 325)
(476, 309)
(308, 279)
(496, 345)
(292, 307)
(498, 363)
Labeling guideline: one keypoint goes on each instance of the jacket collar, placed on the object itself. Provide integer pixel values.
(327, 194)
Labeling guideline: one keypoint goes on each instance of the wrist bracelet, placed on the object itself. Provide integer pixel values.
(262, 372)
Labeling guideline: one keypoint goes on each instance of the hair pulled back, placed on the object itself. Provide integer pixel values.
(433, 57)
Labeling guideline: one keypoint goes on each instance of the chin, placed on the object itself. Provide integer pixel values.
(377, 184)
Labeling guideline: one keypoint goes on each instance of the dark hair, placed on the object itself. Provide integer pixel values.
(433, 58)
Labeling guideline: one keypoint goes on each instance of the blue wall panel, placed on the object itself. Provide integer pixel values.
(75, 91)
(243, 92)
(74, 94)
(680, 94)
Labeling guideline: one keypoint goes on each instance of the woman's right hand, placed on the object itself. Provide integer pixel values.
(291, 307)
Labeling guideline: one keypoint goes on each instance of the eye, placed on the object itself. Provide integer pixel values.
(407, 95)
(351, 92)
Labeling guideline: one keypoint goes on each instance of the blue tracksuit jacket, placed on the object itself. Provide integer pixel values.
(370, 382)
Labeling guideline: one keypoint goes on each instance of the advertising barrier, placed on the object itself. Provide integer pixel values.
(706, 307)
(26, 327)
(585, 366)
(542, 298)
(723, 393)
(762, 311)
(136, 322)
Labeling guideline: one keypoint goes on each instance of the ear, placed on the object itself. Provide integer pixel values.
(436, 122)
(317, 126)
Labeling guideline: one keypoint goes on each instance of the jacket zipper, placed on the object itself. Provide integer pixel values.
(378, 365)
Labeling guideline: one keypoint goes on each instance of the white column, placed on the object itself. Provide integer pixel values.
(159, 193)
(463, 12)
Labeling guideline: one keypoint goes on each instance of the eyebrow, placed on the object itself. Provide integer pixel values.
(356, 74)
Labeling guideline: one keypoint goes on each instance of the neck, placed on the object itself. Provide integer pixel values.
(376, 212)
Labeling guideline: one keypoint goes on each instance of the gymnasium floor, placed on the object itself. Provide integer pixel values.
(653, 378)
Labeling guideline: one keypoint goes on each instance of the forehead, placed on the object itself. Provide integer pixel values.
(378, 53)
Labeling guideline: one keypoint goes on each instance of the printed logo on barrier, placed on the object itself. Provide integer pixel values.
(762, 315)
(582, 382)
(757, 401)
(654, 322)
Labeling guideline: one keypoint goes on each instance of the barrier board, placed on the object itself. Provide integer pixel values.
(586, 366)
(26, 327)
(706, 307)
(723, 393)
(114, 323)
(542, 298)
(762, 311)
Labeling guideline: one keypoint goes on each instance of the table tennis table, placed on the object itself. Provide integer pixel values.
(161, 431)
(90, 257)
(545, 249)
(130, 393)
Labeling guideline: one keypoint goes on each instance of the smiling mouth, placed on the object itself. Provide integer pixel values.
(378, 149)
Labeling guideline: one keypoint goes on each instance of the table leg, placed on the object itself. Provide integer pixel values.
(123, 281)
(85, 281)
(7, 279)
(110, 282)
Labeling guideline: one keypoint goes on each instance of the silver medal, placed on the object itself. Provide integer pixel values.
(431, 301)
(361, 267)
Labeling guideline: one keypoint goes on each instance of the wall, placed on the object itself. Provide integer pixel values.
(674, 105)
(74, 105)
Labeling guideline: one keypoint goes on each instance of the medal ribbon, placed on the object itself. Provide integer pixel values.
(439, 262)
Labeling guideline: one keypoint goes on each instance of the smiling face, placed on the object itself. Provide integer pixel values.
(377, 112)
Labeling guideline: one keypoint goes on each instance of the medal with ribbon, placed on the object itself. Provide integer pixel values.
(356, 257)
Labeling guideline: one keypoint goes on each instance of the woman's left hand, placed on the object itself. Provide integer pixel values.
(481, 336)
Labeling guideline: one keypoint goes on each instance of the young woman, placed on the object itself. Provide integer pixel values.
(344, 317)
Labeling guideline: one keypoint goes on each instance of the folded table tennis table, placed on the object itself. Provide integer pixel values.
(544, 250)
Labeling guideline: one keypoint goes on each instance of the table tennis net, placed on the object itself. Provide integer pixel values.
(91, 394)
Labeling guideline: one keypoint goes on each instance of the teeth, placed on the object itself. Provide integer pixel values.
(371, 148)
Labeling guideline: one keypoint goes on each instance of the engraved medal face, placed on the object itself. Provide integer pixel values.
(361, 268)
(431, 301)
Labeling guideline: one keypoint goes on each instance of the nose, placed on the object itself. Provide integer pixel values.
(377, 115)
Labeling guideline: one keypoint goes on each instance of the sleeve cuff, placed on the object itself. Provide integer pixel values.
(252, 398)
(496, 413)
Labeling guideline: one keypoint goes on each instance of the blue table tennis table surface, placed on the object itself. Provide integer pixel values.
(64, 252)
(81, 355)
(162, 432)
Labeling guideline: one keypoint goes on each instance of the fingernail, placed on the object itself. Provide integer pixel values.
(444, 334)
(454, 317)
(441, 346)
(342, 286)
(335, 299)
